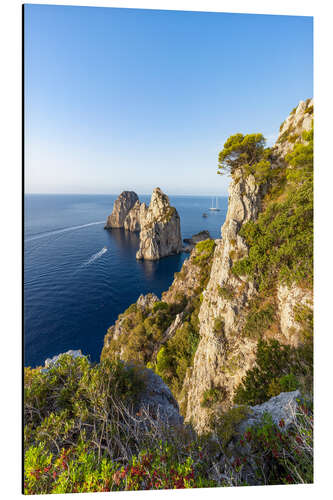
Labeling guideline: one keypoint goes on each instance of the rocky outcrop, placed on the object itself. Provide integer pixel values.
(51, 362)
(299, 120)
(135, 216)
(290, 298)
(157, 400)
(123, 204)
(224, 353)
(222, 357)
(119, 329)
(186, 282)
(160, 230)
(191, 242)
(147, 301)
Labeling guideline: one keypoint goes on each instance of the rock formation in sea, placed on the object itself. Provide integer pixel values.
(191, 242)
(160, 229)
(135, 217)
(123, 204)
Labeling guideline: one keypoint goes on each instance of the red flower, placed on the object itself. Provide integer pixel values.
(281, 423)
(248, 435)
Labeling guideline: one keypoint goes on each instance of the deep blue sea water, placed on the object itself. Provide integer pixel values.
(74, 287)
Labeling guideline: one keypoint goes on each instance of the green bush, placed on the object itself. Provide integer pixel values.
(212, 396)
(286, 383)
(283, 456)
(226, 292)
(78, 470)
(273, 362)
(281, 241)
(225, 425)
(258, 319)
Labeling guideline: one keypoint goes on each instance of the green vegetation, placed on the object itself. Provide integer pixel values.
(259, 318)
(225, 424)
(278, 368)
(212, 396)
(281, 240)
(283, 456)
(143, 330)
(240, 150)
(226, 292)
(176, 355)
(82, 435)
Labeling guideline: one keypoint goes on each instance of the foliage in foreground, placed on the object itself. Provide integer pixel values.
(79, 442)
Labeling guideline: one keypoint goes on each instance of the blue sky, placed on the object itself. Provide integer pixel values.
(133, 99)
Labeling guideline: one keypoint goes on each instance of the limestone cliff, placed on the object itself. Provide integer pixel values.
(224, 353)
(135, 217)
(123, 204)
(160, 230)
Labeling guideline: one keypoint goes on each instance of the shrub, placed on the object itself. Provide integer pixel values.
(273, 360)
(226, 292)
(160, 306)
(258, 319)
(225, 425)
(219, 327)
(283, 456)
(212, 396)
(286, 383)
(281, 241)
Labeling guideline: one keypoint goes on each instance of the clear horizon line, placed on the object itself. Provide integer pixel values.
(115, 194)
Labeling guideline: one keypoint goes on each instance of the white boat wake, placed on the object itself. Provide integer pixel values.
(65, 230)
(96, 256)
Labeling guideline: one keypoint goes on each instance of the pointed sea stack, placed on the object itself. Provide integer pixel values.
(123, 204)
(160, 229)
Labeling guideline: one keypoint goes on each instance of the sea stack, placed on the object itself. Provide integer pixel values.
(123, 204)
(135, 217)
(160, 229)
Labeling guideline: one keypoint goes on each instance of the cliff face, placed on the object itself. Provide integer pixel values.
(223, 301)
(160, 229)
(123, 204)
(135, 217)
(299, 120)
(225, 354)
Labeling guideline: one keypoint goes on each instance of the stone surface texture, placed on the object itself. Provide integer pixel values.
(135, 216)
(160, 230)
(123, 204)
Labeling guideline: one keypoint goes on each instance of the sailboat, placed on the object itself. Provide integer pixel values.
(216, 208)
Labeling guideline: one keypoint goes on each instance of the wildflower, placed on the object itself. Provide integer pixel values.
(248, 435)
(281, 423)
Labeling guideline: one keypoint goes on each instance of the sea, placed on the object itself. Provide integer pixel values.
(79, 277)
